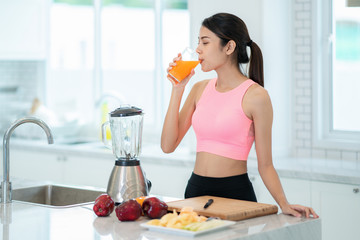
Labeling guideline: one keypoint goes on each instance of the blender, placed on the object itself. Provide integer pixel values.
(127, 179)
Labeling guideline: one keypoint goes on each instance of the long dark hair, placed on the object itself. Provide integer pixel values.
(230, 27)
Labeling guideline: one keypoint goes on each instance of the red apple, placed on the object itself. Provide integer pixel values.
(103, 205)
(129, 210)
(154, 207)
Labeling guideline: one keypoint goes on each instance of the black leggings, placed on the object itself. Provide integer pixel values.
(236, 187)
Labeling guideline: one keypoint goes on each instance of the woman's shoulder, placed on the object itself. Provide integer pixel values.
(201, 85)
(257, 102)
(257, 94)
(198, 89)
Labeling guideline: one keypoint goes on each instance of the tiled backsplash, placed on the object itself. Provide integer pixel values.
(20, 83)
(302, 92)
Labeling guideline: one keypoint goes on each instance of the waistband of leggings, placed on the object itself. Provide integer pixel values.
(201, 180)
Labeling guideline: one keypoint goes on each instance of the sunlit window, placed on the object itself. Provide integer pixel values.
(71, 61)
(346, 66)
(112, 52)
(336, 69)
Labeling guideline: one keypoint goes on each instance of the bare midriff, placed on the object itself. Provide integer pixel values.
(211, 165)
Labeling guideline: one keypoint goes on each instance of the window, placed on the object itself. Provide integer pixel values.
(346, 66)
(112, 52)
(71, 61)
(336, 54)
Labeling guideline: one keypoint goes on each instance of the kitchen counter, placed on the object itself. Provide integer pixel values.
(26, 221)
(327, 170)
(281, 226)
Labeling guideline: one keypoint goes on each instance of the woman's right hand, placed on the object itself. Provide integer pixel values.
(175, 83)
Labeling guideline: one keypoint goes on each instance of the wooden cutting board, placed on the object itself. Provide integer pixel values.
(224, 208)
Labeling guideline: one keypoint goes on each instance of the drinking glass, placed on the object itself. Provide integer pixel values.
(189, 60)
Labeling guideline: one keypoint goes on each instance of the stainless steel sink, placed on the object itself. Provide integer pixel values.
(56, 195)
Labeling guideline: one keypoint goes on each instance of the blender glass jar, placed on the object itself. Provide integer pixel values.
(126, 124)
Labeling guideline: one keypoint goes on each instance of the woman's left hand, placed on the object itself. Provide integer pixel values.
(299, 210)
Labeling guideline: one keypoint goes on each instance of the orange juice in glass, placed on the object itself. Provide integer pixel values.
(189, 60)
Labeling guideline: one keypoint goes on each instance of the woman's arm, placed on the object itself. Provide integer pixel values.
(177, 124)
(262, 114)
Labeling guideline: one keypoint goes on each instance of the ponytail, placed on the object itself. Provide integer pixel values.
(256, 69)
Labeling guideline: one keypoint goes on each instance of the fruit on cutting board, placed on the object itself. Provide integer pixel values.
(129, 210)
(103, 206)
(154, 207)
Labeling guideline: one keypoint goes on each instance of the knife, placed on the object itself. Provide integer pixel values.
(209, 202)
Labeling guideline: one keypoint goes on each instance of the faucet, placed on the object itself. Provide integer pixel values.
(6, 184)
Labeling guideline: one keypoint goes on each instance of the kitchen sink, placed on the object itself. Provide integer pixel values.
(56, 195)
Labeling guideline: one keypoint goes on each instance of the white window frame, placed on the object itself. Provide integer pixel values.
(322, 39)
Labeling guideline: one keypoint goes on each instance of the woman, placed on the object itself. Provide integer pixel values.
(228, 114)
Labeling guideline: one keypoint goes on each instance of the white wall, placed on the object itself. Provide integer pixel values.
(276, 50)
(269, 24)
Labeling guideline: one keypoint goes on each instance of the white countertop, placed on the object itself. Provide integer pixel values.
(24, 221)
(20, 220)
(328, 170)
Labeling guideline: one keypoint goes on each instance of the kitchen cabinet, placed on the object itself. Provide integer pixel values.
(61, 168)
(35, 165)
(339, 208)
(261, 192)
(74, 169)
(23, 27)
(167, 180)
(296, 190)
(338, 205)
(88, 171)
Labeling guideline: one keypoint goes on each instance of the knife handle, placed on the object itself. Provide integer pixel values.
(209, 202)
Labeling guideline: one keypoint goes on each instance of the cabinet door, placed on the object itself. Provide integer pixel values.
(34, 165)
(23, 29)
(262, 193)
(339, 208)
(167, 180)
(61, 168)
(88, 171)
(297, 191)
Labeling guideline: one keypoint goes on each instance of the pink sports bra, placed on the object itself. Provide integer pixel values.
(220, 124)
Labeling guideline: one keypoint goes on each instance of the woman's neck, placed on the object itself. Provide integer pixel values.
(229, 77)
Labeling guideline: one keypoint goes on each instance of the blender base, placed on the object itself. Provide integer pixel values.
(127, 181)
